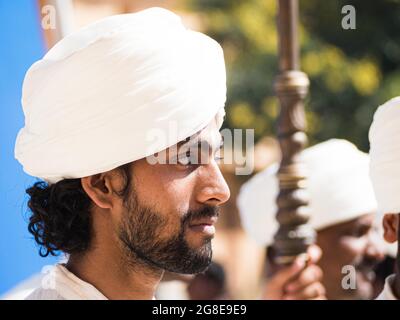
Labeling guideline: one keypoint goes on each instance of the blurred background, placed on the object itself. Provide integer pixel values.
(351, 73)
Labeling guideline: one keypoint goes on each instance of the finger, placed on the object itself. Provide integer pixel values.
(314, 291)
(314, 253)
(310, 274)
(284, 275)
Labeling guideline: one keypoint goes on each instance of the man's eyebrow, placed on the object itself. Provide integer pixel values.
(180, 143)
(364, 224)
(199, 143)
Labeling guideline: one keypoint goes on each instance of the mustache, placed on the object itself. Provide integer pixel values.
(206, 212)
(367, 265)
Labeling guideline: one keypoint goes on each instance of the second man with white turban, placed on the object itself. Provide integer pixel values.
(384, 137)
(343, 209)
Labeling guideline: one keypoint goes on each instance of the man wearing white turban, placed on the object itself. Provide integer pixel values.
(116, 117)
(384, 137)
(100, 108)
(342, 207)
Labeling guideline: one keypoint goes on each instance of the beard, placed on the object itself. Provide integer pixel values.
(139, 233)
(366, 276)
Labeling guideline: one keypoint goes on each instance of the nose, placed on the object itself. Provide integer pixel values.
(375, 247)
(212, 187)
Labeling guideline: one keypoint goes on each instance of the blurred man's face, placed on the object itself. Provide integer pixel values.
(354, 243)
(169, 219)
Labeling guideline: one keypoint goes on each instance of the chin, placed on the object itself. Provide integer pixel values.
(356, 295)
(197, 241)
(364, 287)
(363, 291)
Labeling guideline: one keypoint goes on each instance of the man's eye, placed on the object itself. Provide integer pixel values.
(359, 232)
(193, 158)
(186, 159)
(362, 231)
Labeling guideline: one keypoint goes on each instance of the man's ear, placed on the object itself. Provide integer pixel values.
(99, 188)
(390, 227)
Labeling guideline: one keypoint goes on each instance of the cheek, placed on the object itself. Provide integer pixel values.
(166, 193)
(351, 249)
(339, 251)
(177, 195)
(172, 196)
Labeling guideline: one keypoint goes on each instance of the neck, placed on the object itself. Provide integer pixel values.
(113, 276)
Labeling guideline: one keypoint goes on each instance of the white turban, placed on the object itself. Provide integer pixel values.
(92, 102)
(338, 186)
(384, 137)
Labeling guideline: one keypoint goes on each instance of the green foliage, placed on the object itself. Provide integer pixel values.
(351, 71)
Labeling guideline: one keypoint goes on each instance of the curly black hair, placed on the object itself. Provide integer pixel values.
(61, 219)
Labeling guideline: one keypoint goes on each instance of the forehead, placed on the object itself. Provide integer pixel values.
(364, 219)
(208, 140)
(209, 134)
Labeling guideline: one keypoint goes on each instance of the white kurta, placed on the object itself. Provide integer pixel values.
(387, 292)
(61, 284)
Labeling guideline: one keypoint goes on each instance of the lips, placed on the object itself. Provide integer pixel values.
(204, 221)
(205, 226)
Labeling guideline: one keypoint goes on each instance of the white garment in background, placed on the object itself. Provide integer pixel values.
(384, 136)
(387, 292)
